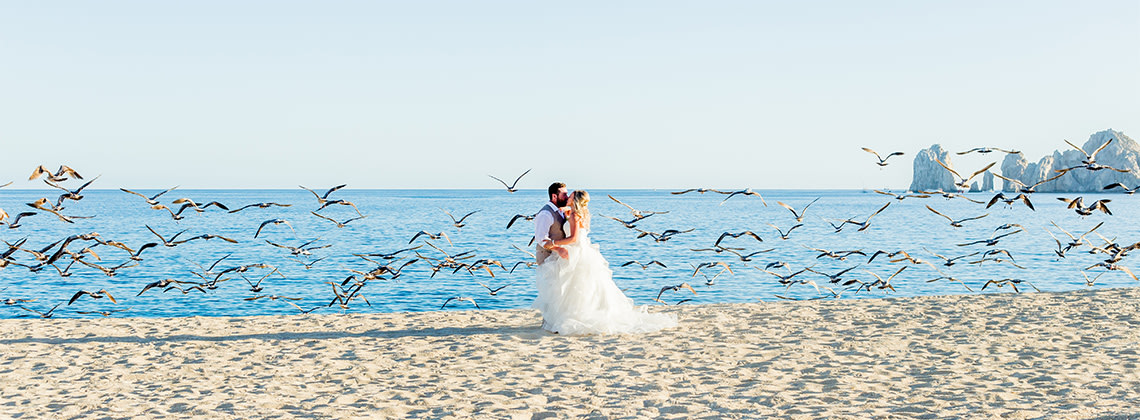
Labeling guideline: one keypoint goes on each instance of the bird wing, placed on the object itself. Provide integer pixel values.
(947, 168)
(513, 219)
(21, 216)
(619, 202)
(972, 243)
(809, 205)
(896, 273)
(520, 177)
(973, 218)
(54, 185)
(1093, 155)
(1046, 179)
(940, 214)
(1022, 184)
(523, 250)
(781, 204)
(461, 219)
(1126, 270)
(145, 246)
(64, 169)
(328, 218)
(38, 172)
(310, 190)
(1071, 237)
(1005, 234)
(500, 181)
(295, 306)
(1099, 205)
(135, 193)
(333, 189)
(172, 238)
(880, 210)
(32, 310)
(446, 302)
(278, 245)
(730, 195)
(1085, 234)
(762, 201)
(981, 171)
(1079, 149)
(873, 153)
(263, 226)
(242, 208)
(76, 296)
(1025, 198)
(449, 215)
(164, 192)
(155, 233)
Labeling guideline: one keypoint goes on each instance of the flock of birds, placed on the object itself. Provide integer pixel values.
(426, 254)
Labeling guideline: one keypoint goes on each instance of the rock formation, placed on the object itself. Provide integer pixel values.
(1122, 153)
(928, 174)
(987, 183)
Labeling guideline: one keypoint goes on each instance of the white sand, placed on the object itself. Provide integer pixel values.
(1033, 355)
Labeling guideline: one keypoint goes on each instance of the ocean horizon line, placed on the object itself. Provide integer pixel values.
(445, 189)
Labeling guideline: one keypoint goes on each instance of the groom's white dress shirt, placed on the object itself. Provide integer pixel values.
(542, 224)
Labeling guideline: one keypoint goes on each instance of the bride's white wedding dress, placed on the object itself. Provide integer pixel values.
(577, 295)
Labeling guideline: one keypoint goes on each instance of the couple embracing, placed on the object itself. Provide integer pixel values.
(576, 291)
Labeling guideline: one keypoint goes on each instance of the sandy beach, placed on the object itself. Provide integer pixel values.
(1034, 355)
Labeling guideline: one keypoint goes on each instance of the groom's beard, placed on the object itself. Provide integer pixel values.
(562, 203)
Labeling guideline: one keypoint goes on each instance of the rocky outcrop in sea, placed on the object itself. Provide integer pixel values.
(928, 174)
(1121, 153)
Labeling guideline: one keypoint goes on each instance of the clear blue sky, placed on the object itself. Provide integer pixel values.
(638, 94)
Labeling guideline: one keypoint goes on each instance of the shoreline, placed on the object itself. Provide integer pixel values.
(1051, 354)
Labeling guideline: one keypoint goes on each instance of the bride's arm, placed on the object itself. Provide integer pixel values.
(573, 236)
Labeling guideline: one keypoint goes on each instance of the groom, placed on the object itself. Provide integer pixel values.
(548, 222)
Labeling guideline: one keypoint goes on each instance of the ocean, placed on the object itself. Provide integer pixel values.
(395, 216)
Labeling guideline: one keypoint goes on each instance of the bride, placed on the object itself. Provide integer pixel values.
(576, 291)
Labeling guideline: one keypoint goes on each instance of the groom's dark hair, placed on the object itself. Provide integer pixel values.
(553, 189)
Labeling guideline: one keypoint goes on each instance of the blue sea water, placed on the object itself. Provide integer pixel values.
(394, 216)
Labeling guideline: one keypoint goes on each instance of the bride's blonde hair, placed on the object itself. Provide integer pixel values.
(578, 201)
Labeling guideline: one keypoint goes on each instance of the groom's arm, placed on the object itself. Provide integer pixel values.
(542, 224)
